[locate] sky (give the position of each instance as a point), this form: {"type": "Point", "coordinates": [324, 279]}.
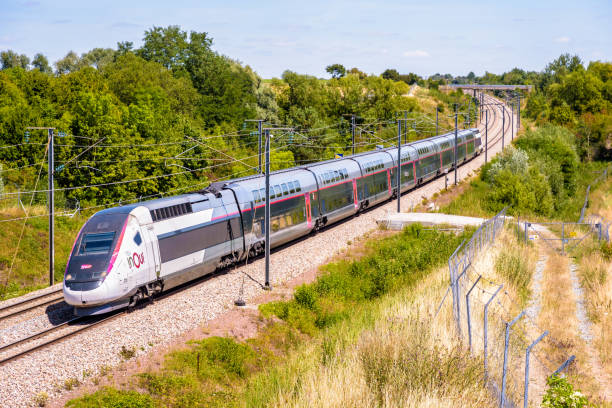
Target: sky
{"type": "Point", "coordinates": [425, 37]}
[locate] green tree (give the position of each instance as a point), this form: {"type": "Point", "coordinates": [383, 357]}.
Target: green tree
{"type": "Point", "coordinates": [41, 63]}
{"type": "Point", "coordinates": [336, 70]}
{"type": "Point", "coordinates": [70, 63]}
{"type": "Point", "coordinates": [10, 59]}
{"type": "Point", "coordinates": [98, 57]}
{"type": "Point", "coordinates": [391, 74]}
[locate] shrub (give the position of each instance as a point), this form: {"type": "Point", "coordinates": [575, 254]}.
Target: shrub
{"type": "Point", "coordinates": [561, 394]}
{"type": "Point", "coordinates": [112, 398]}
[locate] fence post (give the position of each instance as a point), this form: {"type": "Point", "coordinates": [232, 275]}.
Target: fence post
{"type": "Point", "coordinates": [599, 230]}
{"type": "Point", "coordinates": [526, 234]}
{"type": "Point", "coordinates": [527, 352]}
{"type": "Point", "coordinates": [509, 325]}
{"type": "Point", "coordinates": [564, 365]}
{"type": "Point", "coordinates": [467, 306]}
{"type": "Point", "coordinates": [458, 287]}
{"type": "Point", "coordinates": [485, 330]}
{"type": "Point", "coordinates": [562, 238]}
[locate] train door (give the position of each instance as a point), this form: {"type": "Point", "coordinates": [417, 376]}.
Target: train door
{"type": "Point", "coordinates": [153, 252]}
{"type": "Point", "coordinates": [308, 211]}
{"type": "Point", "coordinates": [355, 197]}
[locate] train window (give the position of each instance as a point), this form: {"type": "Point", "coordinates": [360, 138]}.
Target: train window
{"type": "Point", "coordinates": [291, 188]}
{"type": "Point", "coordinates": [262, 193]}
{"type": "Point", "coordinates": [298, 188]}
{"type": "Point", "coordinates": [278, 191]}
{"type": "Point", "coordinates": [256, 196]}
{"type": "Point", "coordinates": [284, 188]}
{"type": "Point", "coordinates": [336, 175]}
{"type": "Point", "coordinates": [344, 173]}
{"type": "Point", "coordinates": [96, 243]}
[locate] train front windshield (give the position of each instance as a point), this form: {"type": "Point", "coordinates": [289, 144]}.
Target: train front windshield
{"type": "Point", "coordinates": [94, 247]}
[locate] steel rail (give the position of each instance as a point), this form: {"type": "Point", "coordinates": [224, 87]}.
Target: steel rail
{"type": "Point", "coordinates": [25, 301]}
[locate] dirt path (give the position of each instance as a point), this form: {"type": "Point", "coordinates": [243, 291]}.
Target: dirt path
{"type": "Point", "coordinates": [586, 334]}
{"type": "Point", "coordinates": [559, 295]}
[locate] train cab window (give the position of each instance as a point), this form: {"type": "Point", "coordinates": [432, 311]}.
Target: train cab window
{"type": "Point", "coordinates": [278, 191]}
{"type": "Point", "coordinates": [285, 189]}
{"type": "Point", "coordinates": [98, 243]}
{"type": "Point", "coordinates": [138, 238]}
{"type": "Point", "coordinates": [262, 193]}
{"type": "Point", "coordinates": [291, 188]}
{"type": "Point", "coordinates": [298, 188]}
{"type": "Point", "coordinates": [256, 196]}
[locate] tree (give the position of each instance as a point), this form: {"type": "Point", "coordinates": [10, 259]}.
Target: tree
{"type": "Point", "coordinates": [41, 63]}
{"type": "Point", "coordinates": [10, 59]}
{"type": "Point", "coordinates": [356, 71]}
{"type": "Point", "coordinates": [336, 70]}
{"type": "Point", "coordinates": [98, 57]}
{"type": "Point", "coordinates": [410, 79]}
{"type": "Point", "coordinates": [124, 47]}
{"type": "Point", "coordinates": [168, 46]}
{"type": "Point", "coordinates": [471, 77]}
{"type": "Point", "coordinates": [70, 63]}
{"type": "Point", "coordinates": [391, 74]}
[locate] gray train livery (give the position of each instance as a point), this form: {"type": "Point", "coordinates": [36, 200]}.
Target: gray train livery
{"type": "Point", "coordinates": [126, 253]}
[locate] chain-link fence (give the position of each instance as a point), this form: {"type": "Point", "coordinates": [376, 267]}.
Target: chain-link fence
{"type": "Point", "coordinates": [517, 354]}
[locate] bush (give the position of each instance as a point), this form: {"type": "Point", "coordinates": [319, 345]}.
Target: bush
{"type": "Point", "coordinates": [112, 398]}
{"type": "Point", "coordinates": [561, 394]}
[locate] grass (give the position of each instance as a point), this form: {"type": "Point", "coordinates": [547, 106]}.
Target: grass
{"type": "Point", "coordinates": [337, 319]}
{"type": "Point", "coordinates": [30, 270]}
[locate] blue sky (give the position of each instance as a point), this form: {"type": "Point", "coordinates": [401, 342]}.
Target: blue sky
{"type": "Point", "coordinates": [271, 36]}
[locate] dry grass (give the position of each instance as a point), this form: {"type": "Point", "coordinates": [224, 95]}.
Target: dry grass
{"type": "Point", "coordinates": [406, 359]}
{"type": "Point", "coordinates": [559, 317]}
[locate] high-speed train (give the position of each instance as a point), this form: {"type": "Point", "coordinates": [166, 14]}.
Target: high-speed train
{"type": "Point", "coordinates": [126, 253]}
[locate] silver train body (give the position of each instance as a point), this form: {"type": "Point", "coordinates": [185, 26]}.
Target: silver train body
{"type": "Point", "coordinates": [125, 253]}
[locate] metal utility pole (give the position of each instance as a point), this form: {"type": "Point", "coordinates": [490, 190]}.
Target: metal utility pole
{"type": "Point", "coordinates": [267, 208]}
{"type": "Point", "coordinates": [399, 163]}
{"type": "Point", "coordinates": [518, 116]}
{"type": "Point", "coordinates": [353, 132]}
{"type": "Point", "coordinates": [512, 119]}
{"type": "Point", "coordinates": [455, 149]}
{"type": "Point", "coordinates": [486, 135]}
{"type": "Point", "coordinates": [436, 120]}
{"type": "Point", "coordinates": [468, 114]}
{"type": "Point", "coordinates": [51, 201]}
{"type": "Point", "coordinates": [503, 124]}
{"type": "Point", "coordinates": [51, 170]}
{"type": "Point", "coordinates": [267, 213]}
{"type": "Point", "coordinates": [259, 123]}
{"type": "Point", "coordinates": [405, 126]}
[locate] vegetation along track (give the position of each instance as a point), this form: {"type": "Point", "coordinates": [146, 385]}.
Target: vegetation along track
{"type": "Point", "coordinates": [32, 371]}
{"type": "Point", "coordinates": [73, 326]}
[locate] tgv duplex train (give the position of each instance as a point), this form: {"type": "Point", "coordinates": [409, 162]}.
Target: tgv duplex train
{"type": "Point", "coordinates": [125, 253]}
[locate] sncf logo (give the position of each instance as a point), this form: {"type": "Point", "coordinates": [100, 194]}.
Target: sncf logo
{"type": "Point", "coordinates": [136, 260]}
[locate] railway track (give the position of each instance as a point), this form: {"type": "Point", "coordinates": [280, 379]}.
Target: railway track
{"type": "Point", "coordinates": [77, 325]}
{"type": "Point", "coordinates": [62, 331]}
{"type": "Point", "coordinates": [30, 304]}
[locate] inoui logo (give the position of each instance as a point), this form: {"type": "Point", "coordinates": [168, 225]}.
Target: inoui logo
{"type": "Point", "coordinates": [136, 260]}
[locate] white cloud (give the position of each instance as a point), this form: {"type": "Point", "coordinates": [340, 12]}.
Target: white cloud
{"type": "Point", "coordinates": [562, 39]}
{"type": "Point", "coordinates": [416, 53]}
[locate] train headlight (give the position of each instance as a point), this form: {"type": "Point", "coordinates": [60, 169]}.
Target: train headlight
{"type": "Point", "coordinates": [68, 277]}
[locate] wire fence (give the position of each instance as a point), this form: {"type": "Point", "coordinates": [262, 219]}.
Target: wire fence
{"type": "Point", "coordinates": [602, 177]}
{"type": "Point", "coordinates": [516, 352]}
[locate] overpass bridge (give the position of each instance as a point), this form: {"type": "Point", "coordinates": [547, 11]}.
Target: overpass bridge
{"type": "Point", "coordinates": [476, 87]}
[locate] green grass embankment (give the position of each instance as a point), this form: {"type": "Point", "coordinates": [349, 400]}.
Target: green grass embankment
{"type": "Point", "coordinates": [332, 321]}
